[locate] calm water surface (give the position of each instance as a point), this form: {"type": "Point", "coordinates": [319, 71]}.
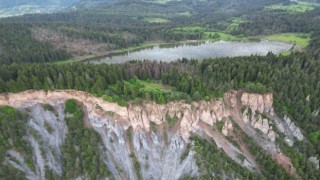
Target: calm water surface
{"type": "Point", "coordinates": [198, 51]}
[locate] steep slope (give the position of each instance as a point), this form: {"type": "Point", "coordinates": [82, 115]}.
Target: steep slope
{"type": "Point", "coordinates": [149, 140]}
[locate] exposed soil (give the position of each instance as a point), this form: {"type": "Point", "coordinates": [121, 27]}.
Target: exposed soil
{"type": "Point", "coordinates": [285, 162]}
{"type": "Point", "coordinates": [267, 145]}
{"type": "Point", "coordinates": [223, 143]}
{"type": "Point", "coordinates": [236, 136]}
{"type": "Point", "coordinates": [74, 46]}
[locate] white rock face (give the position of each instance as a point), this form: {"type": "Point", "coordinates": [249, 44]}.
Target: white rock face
{"type": "Point", "coordinates": [258, 102]}
{"type": "Point", "coordinates": [288, 141]}
{"type": "Point", "coordinates": [157, 152]}
{"type": "Point", "coordinates": [315, 113]}
{"type": "Point", "coordinates": [295, 130]}
{"type": "Point", "coordinates": [280, 127]}
{"type": "Point", "coordinates": [314, 161]}
{"type": "Point", "coordinates": [46, 144]}
{"type": "Point", "coordinates": [16, 160]}
{"type": "Point", "coordinates": [258, 122]}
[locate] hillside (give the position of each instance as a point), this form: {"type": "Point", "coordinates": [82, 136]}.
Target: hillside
{"type": "Point", "coordinates": [140, 141]}
{"type": "Point", "coordinates": [159, 89]}
{"type": "Point", "coordinates": [20, 7]}
{"type": "Point", "coordinates": [185, 99]}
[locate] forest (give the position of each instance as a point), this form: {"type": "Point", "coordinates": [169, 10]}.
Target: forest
{"type": "Point", "coordinates": [291, 79]}
{"type": "Point", "coordinates": [29, 63]}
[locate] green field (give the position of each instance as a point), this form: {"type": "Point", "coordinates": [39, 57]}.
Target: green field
{"type": "Point", "coordinates": [300, 39]}
{"type": "Point", "coordinates": [208, 34]}
{"type": "Point", "coordinates": [217, 36]}
{"type": "Point", "coordinates": [190, 29]}
{"type": "Point", "coordinates": [297, 7]}
{"type": "Point", "coordinates": [287, 53]}
{"type": "Point", "coordinates": [187, 14]}
{"type": "Point", "coordinates": [156, 20]}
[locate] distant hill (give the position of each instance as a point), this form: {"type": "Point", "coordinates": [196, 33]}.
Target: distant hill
{"type": "Point", "coordinates": [20, 7]}
{"type": "Point", "coordinates": [15, 3]}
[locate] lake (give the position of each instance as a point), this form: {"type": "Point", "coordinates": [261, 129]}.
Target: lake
{"type": "Point", "coordinates": [197, 51]}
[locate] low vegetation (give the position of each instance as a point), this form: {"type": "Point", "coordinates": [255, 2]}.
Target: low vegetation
{"type": "Point", "coordinates": [300, 39]}
{"type": "Point", "coordinates": [136, 89]}
{"type": "Point", "coordinates": [219, 125]}
{"type": "Point", "coordinates": [171, 120]}
{"type": "Point", "coordinates": [48, 107]}
{"type": "Point", "coordinates": [156, 20]}
{"type": "Point", "coordinates": [202, 33]}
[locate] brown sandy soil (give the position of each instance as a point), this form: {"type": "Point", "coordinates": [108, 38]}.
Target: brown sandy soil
{"type": "Point", "coordinates": [76, 47]}
{"type": "Point", "coordinates": [285, 162]}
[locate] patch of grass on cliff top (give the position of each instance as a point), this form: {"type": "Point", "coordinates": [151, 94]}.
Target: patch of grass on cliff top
{"type": "Point", "coordinates": [149, 85]}
{"type": "Point", "coordinates": [300, 39]}
{"type": "Point", "coordinates": [294, 7]}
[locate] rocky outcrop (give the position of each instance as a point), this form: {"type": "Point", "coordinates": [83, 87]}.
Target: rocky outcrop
{"type": "Point", "coordinates": [228, 127]}
{"type": "Point", "coordinates": [315, 113]}
{"type": "Point", "coordinates": [314, 161]}
{"type": "Point", "coordinates": [139, 117]}
{"type": "Point", "coordinates": [259, 122]}
{"type": "Point", "coordinates": [158, 152]}
{"type": "Point", "coordinates": [46, 133]}
{"type": "Point", "coordinates": [294, 129]}
{"type": "Point", "coordinates": [258, 102]}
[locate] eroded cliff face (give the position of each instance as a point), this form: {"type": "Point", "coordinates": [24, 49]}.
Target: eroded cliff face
{"type": "Point", "coordinates": [158, 151]}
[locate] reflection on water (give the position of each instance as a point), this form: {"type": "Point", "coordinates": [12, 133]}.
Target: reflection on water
{"type": "Point", "coordinates": [197, 51]}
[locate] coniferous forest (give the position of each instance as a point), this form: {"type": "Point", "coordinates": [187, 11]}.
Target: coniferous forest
{"type": "Point", "coordinates": [27, 61]}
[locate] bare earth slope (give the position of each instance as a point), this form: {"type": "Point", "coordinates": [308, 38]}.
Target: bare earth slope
{"type": "Point", "coordinates": [158, 151]}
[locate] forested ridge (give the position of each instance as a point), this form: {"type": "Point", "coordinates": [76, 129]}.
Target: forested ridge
{"type": "Point", "coordinates": [270, 23]}
{"type": "Point", "coordinates": [292, 79]}
{"type": "Point", "coordinates": [26, 63]}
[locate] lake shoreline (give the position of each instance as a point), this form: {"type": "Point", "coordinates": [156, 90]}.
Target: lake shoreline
{"type": "Point", "coordinates": [195, 50]}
